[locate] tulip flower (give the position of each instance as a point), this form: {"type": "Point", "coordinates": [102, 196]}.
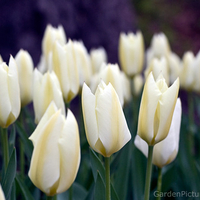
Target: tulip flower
{"type": "Point", "coordinates": [110, 74]}
{"type": "Point", "coordinates": [138, 83]}
{"type": "Point", "coordinates": [98, 57]}
{"type": "Point", "coordinates": [126, 85]}
{"type": "Point", "coordinates": [46, 89]}
{"type": "Point", "coordinates": [105, 125]}
{"type": "Point", "coordinates": [131, 53]}
{"type": "Point", "coordinates": [159, 47]}
{"type": "Point", "coordinates": [158, 66]}
{"type": "Point", "coordinates": [65, 67]}
{"type": "Point", "coordinates": [165, 151]}
{"type": "Point", "coordinates": [25, 73]}
{"type": "Point", "coordinates": [187, 71]}
{"type": "Point", "coordinates": [56, 154]}
{"type": "Point", "coordinates": [2, 196]}
{"type": "Point", "coordinates": [9, 93]}
{"type": "Point", "coordinates": [156, 109]}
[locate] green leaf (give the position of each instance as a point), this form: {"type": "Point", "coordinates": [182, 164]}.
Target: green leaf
{"type": "Point", "coordinates": [97, 166]}
{"type": "Point", "coordinates": [27, 143]}
{"type": "Point", "coordinates": [79, 193]}
{"type": "Point", "coordinates": [8, 180]}
{"type": "Point", "coordinates": [25, 191]}
{"type": "Point", "coordinates": [90, 193]}
{"type": "Point", "coordinates": [99, 190]}
{"type": "Point", "coordinates": [122, 172]}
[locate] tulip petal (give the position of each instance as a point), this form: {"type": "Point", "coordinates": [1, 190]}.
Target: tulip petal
{"type": "Point", "coordinates": [148, 106]}
{"type": "Point", "coordinates": [5, 106]}
{"type": "Point", "coordinates": [45, 163]}
{"type": "Point", "coordinates": [69, 145]}
{"type": "Point", "coordinates": [167, 104]}
{"type": "Point", "coordinates": [166, 150]}
{"type": "Point", "coordinates": [89, 116]}
{"type": "Point", "coordinates": [112, 127]}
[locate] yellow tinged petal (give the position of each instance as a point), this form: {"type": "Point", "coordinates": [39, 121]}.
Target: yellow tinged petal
{"type": "Point", "coordinates": [69, 145]}
{"type": "Point", "coordinates": [148, 106]}
{"type": "Point", "coordinates": [89, 116]}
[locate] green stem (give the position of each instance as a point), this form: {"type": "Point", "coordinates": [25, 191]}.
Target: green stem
{"type": "Point", "coordinates": [159, 183]}
{"type": "Point", "coordinates": [71, 192]}
{"type": "Point", "coordinates": [148, 173]}
{"type": "Point", "coordinates": [51, 197]}
{"type": "Point", "coordinates": [107, 168]}
{"type": "Point", "coordinates": [22, 161]}
{"type": "Point", "coordinates": [5, 146]}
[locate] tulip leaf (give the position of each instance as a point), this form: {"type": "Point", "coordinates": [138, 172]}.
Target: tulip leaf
{"type": "Point", "coordinates": [138, 169]}
{"type": "Point", "coordinates": [90, 193]}
{"type": "Point", "coordinates": [96, 165]}
{"type": "Point", "coordinates": [122, 172]}
{"type": "Point", "coordinates": [13, 192]}
{"type": "Point", "coordinates": [8, 180]}
{"type": "Point", "coordinates": [99, 190]}
{"type": "Point", "coordinates": [25, 191]}
{"type": "Point", "coordinates": [27, 143]}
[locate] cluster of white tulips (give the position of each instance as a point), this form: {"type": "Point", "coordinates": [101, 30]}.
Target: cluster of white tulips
{"type": "Point", "coordinates": [66, 70]}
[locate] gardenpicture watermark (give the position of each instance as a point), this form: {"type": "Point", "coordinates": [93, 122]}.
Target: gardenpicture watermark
{"type": "Point", "coordinates": [177, 194]}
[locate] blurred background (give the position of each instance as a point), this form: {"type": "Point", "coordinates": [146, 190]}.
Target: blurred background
{"type": "Point", "coordinates": [98, 23]}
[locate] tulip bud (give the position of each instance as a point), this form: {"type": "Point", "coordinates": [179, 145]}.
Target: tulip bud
{"type": "Point", "coordinates": [2, 196]}
{"type": "Point", "coordinates": [46, 89]}
{"type": "Point", "coordinates": [138, 83]}
{"type": "Point", "coordinates": [165, 151]}
{"type": "Point", "coordinates": [9, 93]}
{"type": "Point", "coordinates": [56, 154]}
{"type": "Point", "coordinates": [159, 47]}
{"type": "Point", "coordinates": [126, 87]}
{"type": "Point", "coordinates": [50, 36]}
{"type": "Point", "coordinates": [131, 53]}
{"type": "Point", "coordinates": [158, 66]}
{"type": "Point", "coordinates": [156, 109]}
{"type": "Point", "coordinates": [105, 125]}
{"type": "Point", "coordinates": [98, 57]}
{"type": "Point", "coordinates": [65, 67]}
{"type": "Point", "coordinates": [187, 71]}
{"type": "Point", "coordinates": [25, 73]}
{"type": "Point", "coordinates": [111, 74]}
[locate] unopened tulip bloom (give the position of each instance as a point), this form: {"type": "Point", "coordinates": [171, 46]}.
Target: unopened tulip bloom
{"type": "Point", "coordinates": [65, 67]}
{"type": "Point", "coordinates": [138, 83]}
{"type": "Point", "coordinates": [46, 89]}
{"type": "Point", "coordinates": [165, 151]}
{"type": "Point", "coordinates": [25, 73]}
{"type": "Point", "coordinates": [111, 73]}
{"type": "Point", "coordinates": [56, 154]}
{"type": "Point", "coordinates": [9, 93]}
{"type": "Point", "coordinates": [159, 47]}
{"type": "Point", "coordinates": [187, 71]}
{"type": "Point", "coordinates": [105, 125]}
{"type": "Point", "coordinates": [131, 53]}
{"type": "Point", "coordinates": [126, 87]}
{"type": "Point", "coordinates": [98, 57]}
{"type": "Point", "coordinates": [158, 66]}
{"type": "Point", "coordinates": [156, 109]}
{"type": "Point", "coordinates": [2, 196]}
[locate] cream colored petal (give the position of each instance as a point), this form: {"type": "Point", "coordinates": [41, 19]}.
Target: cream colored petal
{"type": "Point", "coordinates": [2, 197]}
{"type": "Point", "coordinates": [167, 104]}
{"type": "Point", "coordinates": [148, 106]}
{"type": "Point", "coordinates": [89, 116]}
{"type": "Point", "coordinates": [141, 145]}
{"type": "Point", "coordinates": [112, 127]}
{"type": "Point", "coordinates": [52, 109]}
{"type": "Point", "coordinates": [45, 163]}
{"type": "Point", "coordinates": [14, 91]}
{"type": "Point", "coordinates": [5, 105]}
{"type": "Point", "coordinates": [166, 150]}
{"type": "Point", "coordinates": [69, 144]}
